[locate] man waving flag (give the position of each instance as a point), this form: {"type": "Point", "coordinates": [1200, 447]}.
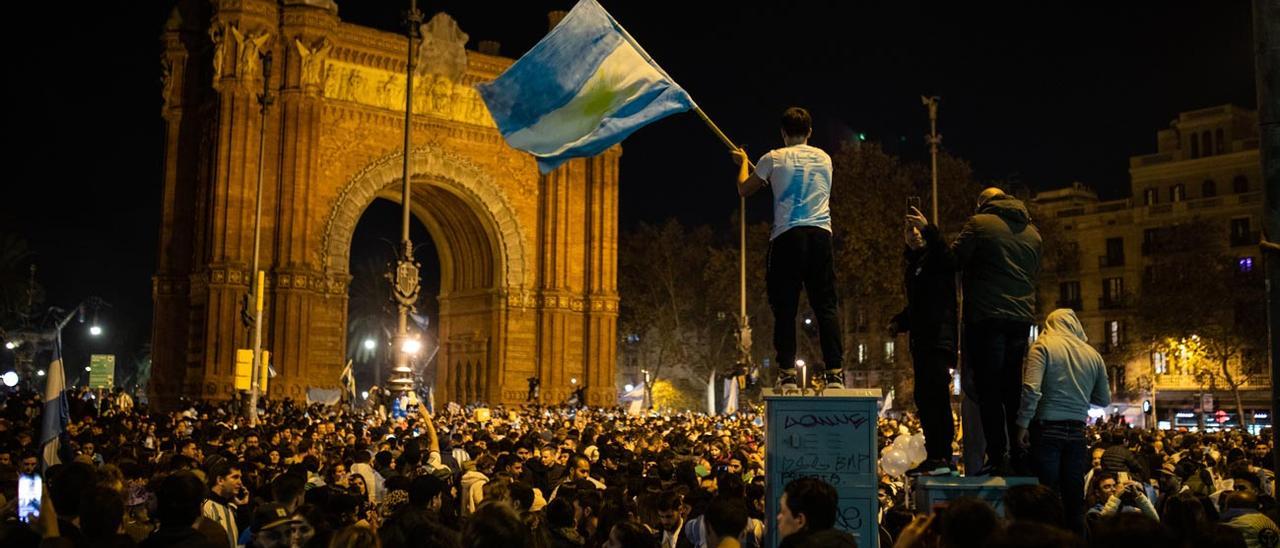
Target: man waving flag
{"type": "Point", "coordinates": [55, 414]}
{"type": "Point", "coordinates": [582, 89]}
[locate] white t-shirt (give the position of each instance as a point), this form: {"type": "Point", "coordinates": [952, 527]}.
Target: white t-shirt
{"type": "Point", "coordinates": [800, 177]}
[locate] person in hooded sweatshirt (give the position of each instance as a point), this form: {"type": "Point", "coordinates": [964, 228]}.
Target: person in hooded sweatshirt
{"type": "Point", "coordinates": [1062, 377]}
{"type": "Point", "coordinates": [998, 255]}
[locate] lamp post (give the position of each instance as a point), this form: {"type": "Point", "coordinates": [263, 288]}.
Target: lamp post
{"type": "Point", "coordinates": [934, 140]}
{"type": "Point", "coordinates": [257, 286]}
{"type": "Point", "coordinates": [405, 283]}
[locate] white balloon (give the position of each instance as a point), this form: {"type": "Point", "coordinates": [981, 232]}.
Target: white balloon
{"type": "Point", "coordinates": [902, 440]}
{"type": "Point", "coordinates": [917, 454]}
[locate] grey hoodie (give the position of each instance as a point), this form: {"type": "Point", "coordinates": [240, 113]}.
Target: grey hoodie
{"type": "Point", "coordinates": [1063, 375]}
{"type": "Point", "coordinates": [998, 252]}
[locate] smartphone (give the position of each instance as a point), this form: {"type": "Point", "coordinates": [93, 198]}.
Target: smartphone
{"type": "Point", "coordinates": [30, 489]}
{"type": "Point", "coordinates": [913, 202]}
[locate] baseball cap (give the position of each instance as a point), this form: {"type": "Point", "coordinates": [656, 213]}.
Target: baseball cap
{"type": "Point", "coordinates": [271, 514]}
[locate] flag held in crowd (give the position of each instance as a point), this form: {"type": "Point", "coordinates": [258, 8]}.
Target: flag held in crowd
{"type": "Point", "coordinates": [582, 89]}
{"type": "Point", "coordinates": [55, 408]}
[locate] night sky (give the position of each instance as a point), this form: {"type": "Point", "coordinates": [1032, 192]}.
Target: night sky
{"type": "Point", "coordinates": [1034, 93]}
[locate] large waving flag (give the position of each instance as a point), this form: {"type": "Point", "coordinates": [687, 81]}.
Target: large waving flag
{"type": "Point", "coordinates": [55, 414]}
{"type": "Point", "coordinates": [582, 89]}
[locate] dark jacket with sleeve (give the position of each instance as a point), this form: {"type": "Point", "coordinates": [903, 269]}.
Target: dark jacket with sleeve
{"type": "Point", "coordinates": [998, 252]}
{"type": "Point", "coordinates": [930, 315]}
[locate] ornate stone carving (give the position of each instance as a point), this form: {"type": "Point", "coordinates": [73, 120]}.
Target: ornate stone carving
{"type": "Point", "coordinates": [432, 95]}
{"type": "Point", "coordinates": [217, 34]}
{"type": "Point", "coordinates": [313, 60]}
{"type": "Point", "coordinates": [166, 81]}
{"type": "Point", "coordinates": [329, 5]}
{"type": "Point", "coordinates": [249, 60]}
{"type": "Point", "coordinates": [443, 51]}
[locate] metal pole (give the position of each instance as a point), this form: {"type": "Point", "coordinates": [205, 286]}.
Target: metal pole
{"type": "Point", "coordinates": [1266, 36]}
{"type": "Point", "coordinates": [406, 274]}
{"type": "Point", "coordinates": [744, 324]}
{"type": "Point", "coordinates": [934, 140]}
{"type": "Point", "coordinates": [264, 101]}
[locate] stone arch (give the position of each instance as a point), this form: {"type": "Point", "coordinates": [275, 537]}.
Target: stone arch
{"type": "Point", "coordinates": [443, 169]}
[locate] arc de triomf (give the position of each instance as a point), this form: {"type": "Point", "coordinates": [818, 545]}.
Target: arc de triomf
{"type": "Point", "coordinates": [528, 262]}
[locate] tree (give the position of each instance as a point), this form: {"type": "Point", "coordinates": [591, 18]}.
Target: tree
{"type": "Point", "coordinates": [1198, 306]}
{"type": "Point", "coordinates": [664, 310]}
{"type": "Point", "coordinates": [18, 296]}
{"type": "Point", "coordinates": [868, 205]}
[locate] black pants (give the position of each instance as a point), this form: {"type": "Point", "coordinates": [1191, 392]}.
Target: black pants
{"type": "Point", "coordinates": [995, 350]}
{"type": "Point", "coordinates": [801, 257]}
{"type": "Point", "coordinates": [932, 393]}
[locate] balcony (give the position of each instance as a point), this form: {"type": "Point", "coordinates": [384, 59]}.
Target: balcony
{"type": "Point", "coordinates": [1177, 381]}
{"type": "Point", "coordinates": [1113, 302]}
{"type": "Point", "coordinates": [1246, 239]}
{"type": "Point", "coordinates": [1110, 261]}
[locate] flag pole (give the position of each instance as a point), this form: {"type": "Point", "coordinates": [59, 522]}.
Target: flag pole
{"type": "Point", "coordinates": [743, 327]}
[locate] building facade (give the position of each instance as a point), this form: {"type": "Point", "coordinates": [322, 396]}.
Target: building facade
{"type": "Point", "coordinates": [528, 261]}
{"type": "Point", "coordinates": [1206, 169]}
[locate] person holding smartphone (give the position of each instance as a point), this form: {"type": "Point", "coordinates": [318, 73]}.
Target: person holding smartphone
{"type": "Point", "coordinates": [930, 318]}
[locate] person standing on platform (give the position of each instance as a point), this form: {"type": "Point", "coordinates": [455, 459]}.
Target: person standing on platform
{"type": "Point", "coordinates": [930, 317]}
{"type": "Point", "coordinates": [1062, 378]}
{"type": "Point", "coordinates": [998, 254]}
{"type": "Point", "coordinates": [800, 251]}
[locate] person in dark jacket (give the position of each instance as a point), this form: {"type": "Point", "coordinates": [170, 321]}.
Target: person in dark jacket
{"type": "Point", "coordinates": [930, 317]}
{"type": "Point", "coordinates": [807, 516]}
{"type": "Point", "coordinates": [178, 507]}
{"type": "Point", "coordinates": [1119, 458]}
{"type": "Point", "coordinates": [998, 253]}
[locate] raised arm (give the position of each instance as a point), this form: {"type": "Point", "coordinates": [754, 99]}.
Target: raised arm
{"type": "Point", "coordinates": [433, 441]}
{"type": "Point", "coordinates": [748, 182]}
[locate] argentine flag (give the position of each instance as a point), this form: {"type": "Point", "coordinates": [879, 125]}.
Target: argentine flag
{"type": "Point", "coordinates": [54, 417]}
{"type": "Point", "coordinates": [582, 89]}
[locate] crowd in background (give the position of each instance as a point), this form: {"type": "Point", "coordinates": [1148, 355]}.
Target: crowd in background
{"type": "Point", "coordinates": [563, 477]}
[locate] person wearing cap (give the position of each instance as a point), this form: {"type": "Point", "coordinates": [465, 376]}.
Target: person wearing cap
{"type": "Point", "coordinates": [272, 526]}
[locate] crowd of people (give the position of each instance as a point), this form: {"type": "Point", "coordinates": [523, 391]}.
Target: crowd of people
{"type": "Point", "coordinates": [564, 477]}
{"type": "Point", "coordinates": [333, 476]}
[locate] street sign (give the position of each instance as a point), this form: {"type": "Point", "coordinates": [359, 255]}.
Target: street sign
{"type": "Point", "coordinates": [102, 371]}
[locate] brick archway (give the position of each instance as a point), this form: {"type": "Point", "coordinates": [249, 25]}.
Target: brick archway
{"type": "Point", "coordinates": [528, 261]}
{"type": "Point", "coordinates": [480, 244]}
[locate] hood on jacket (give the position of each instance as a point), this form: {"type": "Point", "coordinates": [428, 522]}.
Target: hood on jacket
{"type": "Point", "coordinates": [1064, 322]}
{"type": "Point", "coordinates": [1008, 208]}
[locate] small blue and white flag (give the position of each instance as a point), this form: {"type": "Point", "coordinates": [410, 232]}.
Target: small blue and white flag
{"type": "Point", "coordinates": [583, 88]}
{"type": "Point", "coordinates": [55, 414]}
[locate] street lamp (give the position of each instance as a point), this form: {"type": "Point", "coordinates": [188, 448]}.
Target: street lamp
{"type": "Point", "coordinates": [10, 345]}
{"type": "Point", "coordinates": [95, 330]}
{"type": "Point", "coordinates": [10, 379]}
{"type": "Point", "coordinates": [629, 387]}
{"type": "Point", "coordinates": [409, 346]}
{"type": "Point", "coordinates": [573, 380]}
{"type": "Point", "coordinates": [370, 344]}
{"type": "Point", "coordinates": [40, 372]}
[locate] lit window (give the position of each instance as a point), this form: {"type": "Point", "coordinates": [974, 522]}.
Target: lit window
{"type": "Point", "coordinates": [1035, 333]}
{"type": "Point", "coordinates": [1159, 363]}
{"type": "Point", "coordinates": [862, 353]}
{"type": "Point", "coordinates": [1115, 334]}
{"type": "Point", "coordinates": [889, 351]}
{"type": "Point", "coordinates": [1245, 264]}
